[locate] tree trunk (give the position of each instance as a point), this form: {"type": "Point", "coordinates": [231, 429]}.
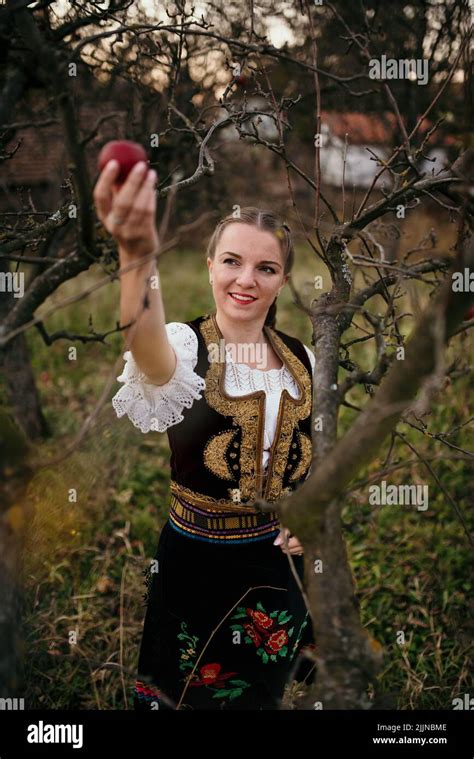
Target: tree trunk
{"type": "Point", "coordinates": [17, 375]}
{"type": "Point", "coordinates": [14, 514]}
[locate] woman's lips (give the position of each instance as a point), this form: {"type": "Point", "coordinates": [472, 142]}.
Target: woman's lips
{"type": "Point", "coordinates": [242, 300]}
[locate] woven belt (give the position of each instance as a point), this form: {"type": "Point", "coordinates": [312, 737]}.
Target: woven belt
{"type": "Point", "coordinates": [215, 521]}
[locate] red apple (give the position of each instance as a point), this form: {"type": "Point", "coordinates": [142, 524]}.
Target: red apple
{"type": "Point", "coordinates": [469, 314]}
{"type": "Point", "coordinates": [127, 153]}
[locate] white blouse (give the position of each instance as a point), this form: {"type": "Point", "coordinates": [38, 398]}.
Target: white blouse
{"type": "Point", "coordinates": [157, 407]}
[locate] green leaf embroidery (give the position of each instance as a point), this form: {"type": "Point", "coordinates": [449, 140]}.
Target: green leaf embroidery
{"type": "Point", "coordinates": [186, 661]}
{"type": "Point", "coordinates": [221, 693]}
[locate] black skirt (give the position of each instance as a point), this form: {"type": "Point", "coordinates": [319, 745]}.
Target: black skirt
{"type": "Point", "coordinates": [224, 627]}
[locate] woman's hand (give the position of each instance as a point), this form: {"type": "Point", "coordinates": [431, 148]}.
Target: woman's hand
{"type": "Point", "coordinates": [294, 546]}
{"type": "Point", "coordinates": [128, 212]}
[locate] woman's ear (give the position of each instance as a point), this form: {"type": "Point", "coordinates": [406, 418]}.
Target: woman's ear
{"type": "Point", "coordinates": [285, 280]}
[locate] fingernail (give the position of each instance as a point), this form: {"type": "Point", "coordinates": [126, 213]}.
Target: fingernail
{"type": "Point", "coordinates": [138, 168]}
{"type": "Point", "coordinates": [112, 164]}
{"type": "Point", "coordinates": [151, 175]}
{"type": "Point", "coordinates": [277, 541]}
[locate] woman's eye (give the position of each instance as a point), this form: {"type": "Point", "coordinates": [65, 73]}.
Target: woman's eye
{"type": "Point", "coordinates": [264, 268]}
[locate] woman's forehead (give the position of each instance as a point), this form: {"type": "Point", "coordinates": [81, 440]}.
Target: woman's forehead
{"type": "Point", "coordinates": [248, 240]}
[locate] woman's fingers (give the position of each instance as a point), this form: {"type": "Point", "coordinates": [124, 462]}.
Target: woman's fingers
{"type": "Point", "coordinates": [128, 211]}
{"type": "Point", "coordinates": [144, 205]}
{"type": "Point", "coordinates": [281, 536]}
{"type": "Point", "coordinates": [294, 546]}
{"type": "Point", "coordinates": [124, 198]}
{"type": "Point", "coordinates": [103, 189]}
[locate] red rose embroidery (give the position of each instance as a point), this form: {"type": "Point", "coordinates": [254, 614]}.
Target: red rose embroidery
{"type": "Point", "coordinates": [269, 633]}
{"type": "Point", "coordinates": [210, 675]}
{"type": "Point", "coordinates": [253, 634]}
{"type": "Point", "coordinates": [210, 672]}
{"type": "Point", "coordinates": [276, 641]}
{"type": "Point", "coordinates": [261, 620]}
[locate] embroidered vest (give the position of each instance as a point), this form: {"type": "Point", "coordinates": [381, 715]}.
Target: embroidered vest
{"type": "Point", "coordinates": [217, 449]}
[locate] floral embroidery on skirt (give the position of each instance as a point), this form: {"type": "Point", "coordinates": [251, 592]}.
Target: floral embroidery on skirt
{"type": "Point", "coordinates": [223, 625]}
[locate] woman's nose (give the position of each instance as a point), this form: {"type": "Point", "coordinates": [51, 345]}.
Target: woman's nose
{"type": "Point", "coordinates": [246, 278]}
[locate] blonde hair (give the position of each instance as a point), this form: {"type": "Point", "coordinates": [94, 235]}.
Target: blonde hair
{"type": "Point", "coordinates": [267, 221]}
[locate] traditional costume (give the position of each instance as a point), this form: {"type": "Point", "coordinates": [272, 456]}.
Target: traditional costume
{"type": "Point", "coordinates": [225, 620]}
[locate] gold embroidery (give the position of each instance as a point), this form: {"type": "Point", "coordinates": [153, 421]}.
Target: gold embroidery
{"type": "Point", "coordinates": [248, 411]}
{"type": "Point", "coordinates": [215, 454]}
{"type": "Point", "coordinates": [207, 502]}
{"type": "Point", "coordinates": [306, 455]}
{"type": "Point", "coordinates": [290, 412]}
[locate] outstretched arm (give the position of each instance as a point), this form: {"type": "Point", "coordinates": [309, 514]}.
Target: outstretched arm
{"type": "Point", "coordinates": [129, 215]}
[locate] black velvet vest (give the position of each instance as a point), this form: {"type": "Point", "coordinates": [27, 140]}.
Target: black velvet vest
{"type": "Point", "coordinates": [216, 450]}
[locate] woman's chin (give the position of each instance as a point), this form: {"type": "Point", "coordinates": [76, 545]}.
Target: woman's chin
{"type": "Point", "coordinates": [245, 313]}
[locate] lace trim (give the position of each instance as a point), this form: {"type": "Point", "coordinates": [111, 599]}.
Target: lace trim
{"type": "Point", "coordinates": [157, 407]}
{"type": "Point", "coordinates": [246, 379]}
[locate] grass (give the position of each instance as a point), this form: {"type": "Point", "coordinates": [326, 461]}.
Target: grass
{"type": "Point", "coordinates": [98, 516]}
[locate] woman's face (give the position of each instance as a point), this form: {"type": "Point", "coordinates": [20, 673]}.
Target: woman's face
{"type": "Point", "coordinates": [248, 261]}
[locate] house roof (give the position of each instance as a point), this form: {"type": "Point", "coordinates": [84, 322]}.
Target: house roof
{"type": "Point", "coordinates": [42, 157]}
{"type": "Point", "coordinates": [374, 129]}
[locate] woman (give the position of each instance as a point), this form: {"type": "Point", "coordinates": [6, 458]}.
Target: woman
{"type": "Point", "coordinates": [226, 621]}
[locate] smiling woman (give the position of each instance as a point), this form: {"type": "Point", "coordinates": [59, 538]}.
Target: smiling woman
{"type": "Point", "coordinates": [226, 622]}
{"type": "Point", "coordinates": [254, 252]}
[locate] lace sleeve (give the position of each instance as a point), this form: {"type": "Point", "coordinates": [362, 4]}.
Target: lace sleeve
{"type": "Point", "coordinates": [311, 356]}
{"type": "Point", "coordinates": [157, 407]}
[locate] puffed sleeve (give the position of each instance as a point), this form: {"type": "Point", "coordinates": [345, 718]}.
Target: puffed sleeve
{"type": "Point", "coordinates": [311, 356]}
{"type": "Point", "coordinates": [157, 407]}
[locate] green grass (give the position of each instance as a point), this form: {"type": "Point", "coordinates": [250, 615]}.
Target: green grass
{"type": "Point", "coordinates": [83, 559]}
